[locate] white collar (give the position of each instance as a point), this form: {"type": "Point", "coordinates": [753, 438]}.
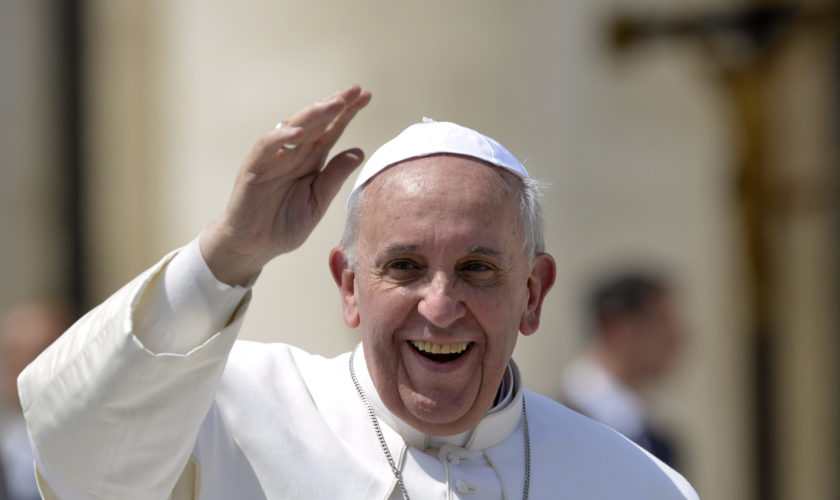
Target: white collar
{"type": "Point", "coordinates": [499, 422]}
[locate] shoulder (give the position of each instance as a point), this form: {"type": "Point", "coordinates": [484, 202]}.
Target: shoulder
{"type": "Point", "coordinates": [574, 449]}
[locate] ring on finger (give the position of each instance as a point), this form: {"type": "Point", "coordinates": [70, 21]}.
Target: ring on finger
{"type": "Point", "coordinates": [286, 145]}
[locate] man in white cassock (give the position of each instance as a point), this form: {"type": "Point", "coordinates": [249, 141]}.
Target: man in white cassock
{"type": "Point", "coordinates": [441, 266]}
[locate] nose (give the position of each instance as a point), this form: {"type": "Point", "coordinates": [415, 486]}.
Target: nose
{"type": "Point", "coordinates": [439, 302]}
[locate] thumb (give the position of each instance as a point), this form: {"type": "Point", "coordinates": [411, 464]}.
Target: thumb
{"type": "Point", "coordinates": [329, 180]}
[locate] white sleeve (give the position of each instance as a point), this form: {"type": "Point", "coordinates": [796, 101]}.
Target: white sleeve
{"type": "Point", "coordinates": [184, 305]}
{"type": "Point", "coordinates": [113, 418]}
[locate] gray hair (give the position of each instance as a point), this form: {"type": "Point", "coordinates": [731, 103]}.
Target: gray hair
{"type": "Point", "coordinates": [530, 214]}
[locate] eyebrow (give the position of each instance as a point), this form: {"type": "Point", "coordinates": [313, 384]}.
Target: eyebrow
{"type": "Point", "coordinates": [396, 249]}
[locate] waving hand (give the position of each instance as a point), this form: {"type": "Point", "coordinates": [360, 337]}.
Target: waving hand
{"type": "Point", "coordinates": [283, 188]}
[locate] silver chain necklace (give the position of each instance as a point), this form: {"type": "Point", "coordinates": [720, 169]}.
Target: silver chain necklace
{"type": "Point", "coordinates": [525, 436]}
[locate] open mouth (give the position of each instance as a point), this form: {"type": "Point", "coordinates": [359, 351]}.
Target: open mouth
{"type": "Point", "coordinates": [440, 353]}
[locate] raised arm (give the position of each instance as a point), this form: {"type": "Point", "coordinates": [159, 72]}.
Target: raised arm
{"type": "Point", "coordinates": [283, 189]}
{"type": "Point", "coordinates": [113, 413]}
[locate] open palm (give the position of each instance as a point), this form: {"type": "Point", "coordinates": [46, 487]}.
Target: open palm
{"type": "Point", "coordinates": [281, 191]}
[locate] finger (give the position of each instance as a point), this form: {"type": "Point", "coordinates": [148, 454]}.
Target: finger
{"type": "Point", "coordinates": [325, 143]}
{"type": "Point", "coordinates": [305, 130]}
{"type": "Point", "coordinates": [316, 117]}
{"type": "Point", "coordinates": [351, 88]}
{"type": "Point", "coordinates": [283, 135]}
{"type": "Point", "coordinates": [325, 127]}
{"type": "Point", "coordinates": [337, 127]}
{"type": "Point", "coordinates": [328, 182]}
{"type": "Point", "coordinates": [271, 144]}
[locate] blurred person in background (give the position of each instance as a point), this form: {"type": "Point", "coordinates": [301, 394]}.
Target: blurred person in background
{"type": "Point", "coordinates": [26, 329]}
{"type": "Point", "coordinates": [636, 339]}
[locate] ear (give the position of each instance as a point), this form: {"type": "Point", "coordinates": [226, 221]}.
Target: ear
{"type": "Point", "coordinates": [540, 282]}
{"type": "Point", "coordinates": [345, 278]}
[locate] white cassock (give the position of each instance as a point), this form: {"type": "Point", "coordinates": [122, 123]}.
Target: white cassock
{"type": "Point", "coordinates": [111, 417]}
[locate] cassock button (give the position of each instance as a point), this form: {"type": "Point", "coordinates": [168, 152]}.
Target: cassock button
{"type": "Point", "coordinates": [462, 487]}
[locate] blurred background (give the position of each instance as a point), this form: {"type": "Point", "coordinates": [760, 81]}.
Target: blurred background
{"type": "Point", "coordinates": [697, 137]}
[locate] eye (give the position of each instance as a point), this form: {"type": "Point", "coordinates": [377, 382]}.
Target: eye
{"type": "Point", "coordinates": [478, 270]}
{"type": "Point", "coordinates": [402, 270]}
{"type": "Point", "coordinates": [403, 265]}
{"type": "Point", "coordinates": [475, 267]}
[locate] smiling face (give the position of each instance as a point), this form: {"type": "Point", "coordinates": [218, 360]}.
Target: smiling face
{"type": "Point", "coordinates": [441, 288]}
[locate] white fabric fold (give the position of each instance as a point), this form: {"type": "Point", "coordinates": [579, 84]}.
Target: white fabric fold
{"type": "Point", "coordinates": [111, 418]}
{"type": "Point", "coordinates": [184, 305]}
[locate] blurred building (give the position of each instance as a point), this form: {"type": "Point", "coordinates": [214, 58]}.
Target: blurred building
{"type": "Point", "coordinates": [123, 124]}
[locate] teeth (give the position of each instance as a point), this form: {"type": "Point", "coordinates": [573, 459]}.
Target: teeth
{"type": "Point", "coordinates": [455, 348]}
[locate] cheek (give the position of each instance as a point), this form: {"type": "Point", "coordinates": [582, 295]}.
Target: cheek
{"type": "Point", "coordinates": [502, 309]}
{"type": "Point", "coordinates": [383, 309]}
{"type": "Point", "coordinates": [370, 298]}
{"type": "Point", "coordinates": [503, 316]}
{"type": "Point", "coordinates": [382, 368]}
{"type": "Point", "coordinates": [500, 324]}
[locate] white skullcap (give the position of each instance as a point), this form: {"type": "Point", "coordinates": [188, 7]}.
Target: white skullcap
{"type": "Point", "coordinates": [430, 138]}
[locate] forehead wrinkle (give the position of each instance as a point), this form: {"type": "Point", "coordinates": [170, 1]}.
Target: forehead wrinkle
{"type": "Point", "coordinates": [409, 178]}
{"type": "Point", "coordinates": [413, 180]}
{"type": "Point", "coordinates": [489, 252]}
